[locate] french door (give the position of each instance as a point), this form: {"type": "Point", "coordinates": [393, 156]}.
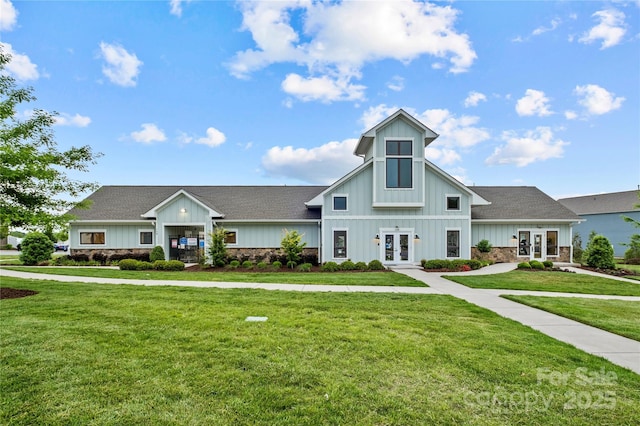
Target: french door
{"type": "Point", "coordinates": [397, 247]}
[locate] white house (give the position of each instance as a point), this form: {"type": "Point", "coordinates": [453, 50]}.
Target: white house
{"type": "Point", "coordinates": [396, 207]}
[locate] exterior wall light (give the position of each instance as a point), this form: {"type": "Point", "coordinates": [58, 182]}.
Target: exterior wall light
{"type": "Point", "coordinates": [416, 237]}
{"type": "Point", "coordinates": [183, 210]}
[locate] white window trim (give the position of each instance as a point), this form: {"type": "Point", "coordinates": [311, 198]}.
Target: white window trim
{"type": "Point", "coordinates": [385, 156]}
{"type": "Point", "coordinates": [446, 243]}
{"type": "Point", "coordinates": [153, 237]}
{"type": "Point", "coordinates": [333, 244]}
{"type": "Point", "coordinates": [333, 202]}
{"type": "Point", "coordinates": [446, 202]}
{"type": "Point", "coordinates": [237, 236]}
{"type": "Point", "coordinates": [82, 231]}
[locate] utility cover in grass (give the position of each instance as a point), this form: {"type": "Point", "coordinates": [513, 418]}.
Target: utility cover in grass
{"type": "Point", "coordinates": [256, 319]}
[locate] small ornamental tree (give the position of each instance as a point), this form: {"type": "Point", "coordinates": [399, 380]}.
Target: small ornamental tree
{"type": "Point", "coordinates": [36, 247]}
{"type": "Point", "coordinates": [217, 247]}
{"type": "Point", "coordinates": [599, 253]}
{"type": "Point", "coordinates": [292, 246]}
{"type": "Point", "coordinates": [632, 254]}
{"type": "Point", "coordinates": [484, 246]}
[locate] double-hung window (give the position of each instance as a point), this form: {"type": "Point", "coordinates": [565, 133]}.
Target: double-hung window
{"type": "Point", "coordinates": [92, 238]}
{"type": "Point", "coordinates": [399, 163]}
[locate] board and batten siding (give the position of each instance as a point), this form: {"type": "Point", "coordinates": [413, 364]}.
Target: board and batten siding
{"type": "Point", "coordinates": [612, 226]}
{"type": "Point", "coordinates": [172, 212]}
{"type": "Point", "coordinates": [269, 235]}
{"type": "Point", "coordinates": [120, 236]}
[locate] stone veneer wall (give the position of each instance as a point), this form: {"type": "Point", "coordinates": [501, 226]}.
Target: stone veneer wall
{"type": "Point", "coordinates": [268, 255]}
{"type": "Point", "coordinates": [508, 255]}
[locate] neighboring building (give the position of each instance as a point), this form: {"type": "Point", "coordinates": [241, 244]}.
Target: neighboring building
{"type": "Point", "coordinates": [396, 207]}
{"type": "Point", "coordinates": [603, 214]}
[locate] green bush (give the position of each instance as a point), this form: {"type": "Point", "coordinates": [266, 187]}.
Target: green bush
{"type": "Point", "coordinates": [548, 264]}
{"type": "Point", "coordinates": [157, 253]}
{"type": "Point", "coordinates": [376, 265]}
{"type": "Point", "coordinates": [262, 265]}
{"type": "Point", "coordinates": [134, 265]}
{"type": "Point", "coordinates": [234, 264]}
{"type": "Point", "coordinates": [536, 265]}
{"type": "Point", "coordinates": [174, 265]}
{"type": "Point", "coordinates": [36, 248]}
{"type": "Point", "coordinates": [436, 264]}
{"type": "Point", "coordinates": [217, 247]}
{"type": "Point", "coordinates": [305, 267]}
{"type": "Point", "coordinates": [524, 265]}
{"type": "Point", "coordinates": [474, 264]}
{"type": "Point", "coordinates": [292, 246]}
{"type": "Point", "coordinates": [291, 264]}
{"type": "Point", "coordinates": [633, 252]}
{"type": "Point", "coordinates": [247, 264]}
{"type": "Point", "coordinates": [276, 265]}
{"type": "Point", "coordinates": [484, 246]}
{"type": "Point", "coordinates": [599, 253]}
{"type": "Point", "coordinates": [330, 267]}
{"type": "Point", "coordinates": [361, 266]}
{"type": "Point", "coordinates": [347, 265]}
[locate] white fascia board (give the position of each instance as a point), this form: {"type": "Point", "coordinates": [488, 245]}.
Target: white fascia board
{"type": "Point", "coordinates": [259, 221]}
{"type": "Point", "coordinates": [153, 212]}
{"type": "Point", "coordinates": [108, 221]}
{"type": "Point", "coordinates": [318, 200]}
{"type": "Point", "coordinates": [505, 221]}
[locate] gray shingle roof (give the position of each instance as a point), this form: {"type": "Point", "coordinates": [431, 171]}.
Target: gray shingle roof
{"type": "Point", "coordinates": [235, 202]}
{"type": "Point", "coordinates": [518, 203]}
{"type": "Point", "coordinates": [613, 202]}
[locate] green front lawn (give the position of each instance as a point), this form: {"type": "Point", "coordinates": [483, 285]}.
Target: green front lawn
{"type": "Point", "coordinates": [617, 316]}
{"type": "Point", "coordinates": [380, 278]}
{"type": "Point", "coordinates": [563, 282]}
{"type": "Point", "coordinates": [101, 354]}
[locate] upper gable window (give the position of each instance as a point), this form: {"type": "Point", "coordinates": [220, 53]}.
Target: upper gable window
{"type": "Point", "coordinates": [399, 163]}
{"type": "Point", "coordinates": [453, 202]}
{"type": "Point", "coordinates": [339, 202]}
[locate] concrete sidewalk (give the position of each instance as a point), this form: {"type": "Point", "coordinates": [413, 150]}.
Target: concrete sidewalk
{"type": "Point", "coordinates": [617, 349]}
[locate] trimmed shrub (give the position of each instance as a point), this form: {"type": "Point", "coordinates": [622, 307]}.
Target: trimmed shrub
{"type": "Point", "coordinates": [305, 267]}
{"type": "Point", "coordinates": [361, 266]}
{"type": "Point", "coordinates": [484, 246]}
{"type": "Point", "coordinates": [436, 264]}
{"type": "Point", "coordinates": [130, 265]}
{"type": "Point", "coordinates": [330, 267]}
{"type": "Point", "coordinates": [347, 265]}
{"type": "Point", "coordinates": [309, 258]}
{"type": "Point", "coordinates": [535, 264]}
{"type": "Point", "coordinates": [36, 248]}
{"type": "Point", "coordinates": [247, 264]}
{"type": "Point", "coordinates": [524, 265]}
{"type": "Point", "coordinates": [599, 253]}
{"type": "Point", "coordinates": [262, 265]}
{"type": "Point", "coordinates": [157, 253]}
{"type": "Point", "coordinates": [291, 264]}
{"type": "Point", "coordinates": [276, 265]}
{"type": "Point", "coordinates": [474, 264]}
{"type": "Point", "coordinates": [548, 264]}
{"type": "Point", "coordinates": [376, 265]}
{"type": "Point", "coordinates": [234, 264]}
{"type": "Point", "coordinates": [174, 265]}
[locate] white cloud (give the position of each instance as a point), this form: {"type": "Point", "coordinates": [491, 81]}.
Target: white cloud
{"type": "Point", "coordinates": [8, 15]}
{"type": "Point", "coordinates": [321, 165]}
{"type": "Point", "coordinates": [534, 102]}
{"type": "Point", "coordinates": [20, 66]}
{"type": "Point", "coordinates": [597, 100]}
{"type": "Point", "coordinates": [541, 30]}
{"type": "Point", "coordinates": [72, 120]}
{"type": "Point", "coordinates": [121, 67]}
{"type": "Point", "coordinates": [150, 133]}
{"type": "Point", "coordinates": [610, 30]}
{"type": "Point", "coordinates": [336, 42]}
{"type": "Point", "coordinates": [474, 98]}
{"type": "Point", "coordinates": [396, 84]}
{"type": "Point", "coordinates": [570, 115]}
{"type": "Point", "coordinates": [176, 7]}
{"type": "Point", "coordinates": [324, 89]}
{"type": "Point", "coordinates": [213, 138]}
{"type": "Point", "coordinates": [535, 145]}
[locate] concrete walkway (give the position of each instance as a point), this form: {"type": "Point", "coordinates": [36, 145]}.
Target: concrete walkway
{"type": "Point", "coordinates": [617, 349]}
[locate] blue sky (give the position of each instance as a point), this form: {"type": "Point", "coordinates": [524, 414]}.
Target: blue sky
{"type": "Point", "coordinates": [544, 94]}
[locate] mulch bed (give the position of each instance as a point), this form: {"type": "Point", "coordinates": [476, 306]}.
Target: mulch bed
{"type": "Point", "coordinates": [15, 293]}
{"type": "Point", "coordinates": [198, 268]}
